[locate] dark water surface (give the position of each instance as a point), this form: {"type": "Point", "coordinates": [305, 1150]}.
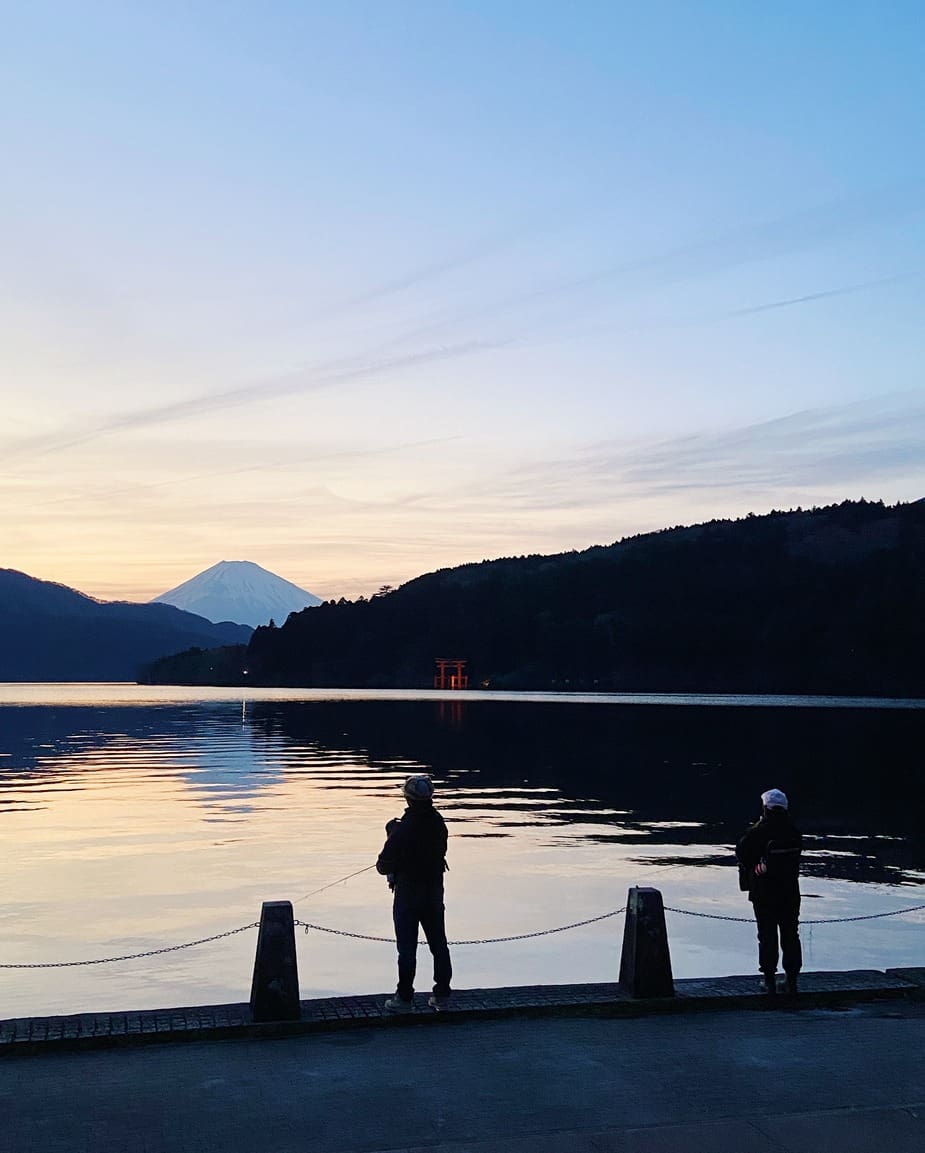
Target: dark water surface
{"type": "Point", "coordinates": [136, 818]}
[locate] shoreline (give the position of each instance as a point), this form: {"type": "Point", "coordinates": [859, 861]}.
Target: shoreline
{"type": "Point", "coordinates": [65, 693]}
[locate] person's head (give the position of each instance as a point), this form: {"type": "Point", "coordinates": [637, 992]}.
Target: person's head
{"type": "Point", "coordinates": [418, 790]}
{"type": "Point", "coordinates": [774, 801]}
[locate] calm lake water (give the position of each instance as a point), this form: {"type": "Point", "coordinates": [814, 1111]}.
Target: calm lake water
{"type": "Point", "coordinates": [135, 817]}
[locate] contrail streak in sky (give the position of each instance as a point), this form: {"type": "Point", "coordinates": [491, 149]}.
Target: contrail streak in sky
{"type": "Point", "coordinates": [823, 295]}
{"type": "Point", "coordinates": [292, 384]}
{"type": "Point", "coordinates": [796, 232]}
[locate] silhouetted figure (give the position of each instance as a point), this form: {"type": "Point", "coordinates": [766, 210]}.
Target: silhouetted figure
{"type": "Point", "coordinates": [414, 860]}
{"type": "Point", "coordinates": [769, 868]}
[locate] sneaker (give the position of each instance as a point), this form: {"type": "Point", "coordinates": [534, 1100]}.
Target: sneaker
{"type": "Point", "coordinates": [398, 1004]}
{"type": "Point", "coordinates": [792, 984]}
{"type": "Point", "coordinates": [768, 985]}
{"type": "Point", "coordinates": [438, 1003]}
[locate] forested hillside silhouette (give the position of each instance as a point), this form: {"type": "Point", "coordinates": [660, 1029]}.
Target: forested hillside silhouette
{"type": "Point", "coordinates": [49, 632]}
{"type": "Point", "coordinates": [827, 600]}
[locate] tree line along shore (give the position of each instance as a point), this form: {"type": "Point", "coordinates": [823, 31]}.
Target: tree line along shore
{"type": "Point", "coordinates": [822, 601]}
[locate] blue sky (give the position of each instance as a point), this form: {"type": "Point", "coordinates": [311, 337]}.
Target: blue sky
{"type": "Point", "coordinates": [357, 291]}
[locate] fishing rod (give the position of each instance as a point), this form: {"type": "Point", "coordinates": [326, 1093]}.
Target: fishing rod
{"type": "Point", "coordinates": [331, 884]}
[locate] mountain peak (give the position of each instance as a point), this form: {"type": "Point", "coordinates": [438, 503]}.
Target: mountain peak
{"type": "Point", "coordinates": [239, 591]}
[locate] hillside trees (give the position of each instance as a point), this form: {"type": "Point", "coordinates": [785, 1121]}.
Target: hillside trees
{"type": "Point", "coordinates": [827, 600]}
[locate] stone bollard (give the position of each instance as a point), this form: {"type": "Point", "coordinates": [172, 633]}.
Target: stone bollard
{"type": "Point", "coordinates": [275, 987]}
{"type": "Point", "coordinates": [645, 967]}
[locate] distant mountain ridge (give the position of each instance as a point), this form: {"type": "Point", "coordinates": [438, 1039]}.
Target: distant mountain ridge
{"type": "Point", "coordinates": [54, 633]}
{"type": "Point", "coordinates": [812, 601]}
{"type": "Point", "coordinates": [239, 591]}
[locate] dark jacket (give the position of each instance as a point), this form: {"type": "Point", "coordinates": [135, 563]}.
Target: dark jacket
{"type": "Point", "coordinates": [416, 846]}
{"type": "Point", "coordinates": [776, 842]}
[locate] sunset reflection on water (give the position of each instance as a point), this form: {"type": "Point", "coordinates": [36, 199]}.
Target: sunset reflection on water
{"type": "Point", "coordinates": [131, 822]}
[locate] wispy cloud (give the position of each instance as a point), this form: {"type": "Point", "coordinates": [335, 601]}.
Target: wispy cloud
{"type": "Point", "coordinates": [838, 448]}
{"type": "Point", "coordinates": [790, 234]}
{"type": "Point", "coordinates": [296, 383]}
{"type": "Point", "coordinates": [865, 442]}
{"type": "Point", "coordinates": [293, 462]}
{"type": "Point", "coordinates": [825, 294]}
{"type": "Point", "coordinates": [427, 273]}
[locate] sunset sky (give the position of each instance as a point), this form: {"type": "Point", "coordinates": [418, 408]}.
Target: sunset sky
{"type": "Point", "coordinates": [360, 290]}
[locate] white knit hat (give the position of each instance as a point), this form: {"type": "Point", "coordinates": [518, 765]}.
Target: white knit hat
{"type": "Point", "coordinates": [775, 799]}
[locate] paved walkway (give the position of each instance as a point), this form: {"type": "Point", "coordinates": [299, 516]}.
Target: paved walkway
{"type": "Point", "coordinates": [782, 1081]}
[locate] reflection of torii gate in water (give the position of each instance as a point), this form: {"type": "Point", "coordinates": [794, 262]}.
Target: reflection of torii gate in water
{"type": "Point", "coordinates": [450, 673]}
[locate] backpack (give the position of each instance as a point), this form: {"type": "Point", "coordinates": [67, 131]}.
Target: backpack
{"type": "Point", "coordinates": [782, 858]}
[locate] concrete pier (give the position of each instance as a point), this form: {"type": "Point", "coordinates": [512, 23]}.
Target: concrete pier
{"type": "Point", "coordinates": [34, 1035]}
{"type": "Point", "coordinates": [847, 1077]}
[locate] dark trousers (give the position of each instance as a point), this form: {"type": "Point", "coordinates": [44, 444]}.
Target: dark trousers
{"type": "Point", "coordinates": [420, 903]}
{"type": "Point", "coordinates": [779, 917]}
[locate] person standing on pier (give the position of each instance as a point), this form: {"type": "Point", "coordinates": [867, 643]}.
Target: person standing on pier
{"type": "Point", "coordinates": [769, 860]}
{"type": "Point", "coordinates": [414, 859]}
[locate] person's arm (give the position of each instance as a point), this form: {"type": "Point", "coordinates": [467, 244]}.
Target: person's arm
{"type": "Point", "coordinates": [440, 839]}
{"type": "Point", "coordinates": [747, 852]}
{"type": "Point", "coordinates": [388, 859]}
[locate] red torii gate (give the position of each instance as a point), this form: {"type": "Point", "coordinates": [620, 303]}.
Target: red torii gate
{"type": "Point", "coordinates": [450, 673]}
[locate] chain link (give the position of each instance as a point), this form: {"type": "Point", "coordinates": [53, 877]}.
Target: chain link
{"type": "Point", "coordinates": [864, 917]}
{"type": "Point", "coordinates": [134, 956]}
{"type": "Point", "coordinates": [307, 925]}
{"type": "Point", "coordinates": [343, 932]}
{"type": "Point", "coordinates": [708, 916]}
{"type": "Point", "coordinates": [542, 932]}
{"type": "Point", "coordinates": [816, 921]}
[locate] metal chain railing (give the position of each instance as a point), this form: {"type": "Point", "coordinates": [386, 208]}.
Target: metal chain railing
{"type": "Point", "coordinates": [309, 926]}
{"type": "Point", "coordinates": [133, 956]}
{"type": "Point", "coordinates": [807, 921]}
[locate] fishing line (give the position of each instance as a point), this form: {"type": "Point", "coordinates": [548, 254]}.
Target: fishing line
{"type": "Point", "coordinates": [331, 884]}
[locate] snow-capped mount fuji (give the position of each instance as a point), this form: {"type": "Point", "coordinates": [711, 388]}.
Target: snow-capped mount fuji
{"type": "Point", "coordinates": [239, 591]}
